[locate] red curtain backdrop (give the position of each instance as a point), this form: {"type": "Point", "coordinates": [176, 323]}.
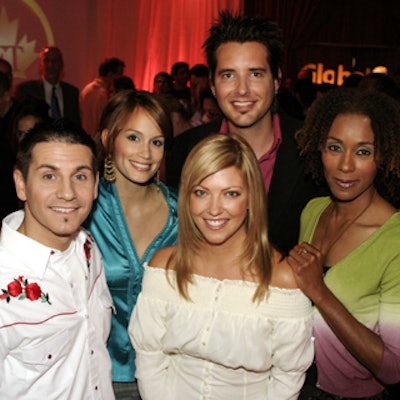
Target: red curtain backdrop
{"type": "Point", "coordinates": [148, 35]}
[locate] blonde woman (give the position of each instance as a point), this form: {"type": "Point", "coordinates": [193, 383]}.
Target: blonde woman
{"type": "Point", "coordinates": [220, 314]}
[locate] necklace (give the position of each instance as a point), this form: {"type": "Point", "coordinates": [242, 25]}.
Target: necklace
{"type": "Point", "coordinates": [345, 226]}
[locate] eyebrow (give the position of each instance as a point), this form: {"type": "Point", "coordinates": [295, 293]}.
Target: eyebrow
{"type": "Point", "coordinates": [252, 69]}
{"type": "Point", "coordinates": [135, 131]}
{"type": "Point", "coordinates": [55, 168]}
{"type": "Point", "coordinates": [341, 141]}
{"type": "Point", "coordinates": [226, 188]}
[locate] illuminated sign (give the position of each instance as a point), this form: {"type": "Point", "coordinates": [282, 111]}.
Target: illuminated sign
{"type": "Point", "coordinates": [333, 76]}
{"type": "Point", "coordinates": [24, 30]}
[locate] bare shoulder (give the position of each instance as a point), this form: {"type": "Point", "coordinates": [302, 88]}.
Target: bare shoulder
{"type": "Point", "coordinates": [282, 275]}
{"type": "Point", "coordinates": [161, 257]}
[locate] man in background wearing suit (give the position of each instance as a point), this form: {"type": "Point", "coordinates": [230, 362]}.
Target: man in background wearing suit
{"type": "Point", "coordinates": [62, 97]}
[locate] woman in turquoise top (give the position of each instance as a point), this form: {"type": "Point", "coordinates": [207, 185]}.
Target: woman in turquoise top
{"type": "Point", "coordinates": [351, 138]}
{"type": "Point", "coordinates": [135, 214]}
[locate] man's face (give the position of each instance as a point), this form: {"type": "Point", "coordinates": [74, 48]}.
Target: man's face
{"type": "Point", "coordinates": [51, 65]}
{"type": "Point", "coordinates": [58, 192]}
{"type": "Point", "coordinates": [197, 85]}
{"type": "Point", "coordinates": [182, 76]}
{"type": "Point", "coordinates": [243, 83]}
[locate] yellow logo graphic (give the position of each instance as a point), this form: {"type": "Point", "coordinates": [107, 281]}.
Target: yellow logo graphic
{"type": "Point", "coordinates": [17, 47]}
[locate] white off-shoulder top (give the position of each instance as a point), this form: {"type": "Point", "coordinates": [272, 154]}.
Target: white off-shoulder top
{"type": "Point", "coordinates": [220, 344]}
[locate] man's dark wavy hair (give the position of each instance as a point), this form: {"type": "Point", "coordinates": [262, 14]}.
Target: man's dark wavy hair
{"type": "Point", "coordinates": [241, 29]}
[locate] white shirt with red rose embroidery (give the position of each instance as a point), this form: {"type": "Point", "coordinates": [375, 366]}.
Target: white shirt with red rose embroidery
{"type": "Point", "coordinates": [55, 315]}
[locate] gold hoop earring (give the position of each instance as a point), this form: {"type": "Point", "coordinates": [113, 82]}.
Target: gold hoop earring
{"type": "Point", "coordinates": [109, 169]}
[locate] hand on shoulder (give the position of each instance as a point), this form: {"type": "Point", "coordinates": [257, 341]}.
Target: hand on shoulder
{"type": "Point", "coordinates": [282, 275]}
{"type": "Point", "coordinates": [161, 257]}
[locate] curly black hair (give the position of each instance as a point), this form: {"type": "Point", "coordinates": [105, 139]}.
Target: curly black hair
{"type": "Point", "coordinates": [384, 114]}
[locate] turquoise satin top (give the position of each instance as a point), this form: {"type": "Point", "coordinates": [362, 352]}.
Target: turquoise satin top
{"type": "Point", "coordinates": [123, 268]}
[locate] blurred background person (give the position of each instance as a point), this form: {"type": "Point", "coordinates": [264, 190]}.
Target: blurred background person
{"type": "Point", "coordinates": [122, 83]}
{"type": "Point", "coordinates": [95, 95]}
{"type": "Point", "coordinates": [180, 78]}
{"type": "Point", "coordinates": [199, 81]}
{"type": "Point", "coordinates": [9, 200]}
{"type": "Point", "coordinates": [162, 84]}
{"type": "Point", "coordinates": [209, 106]}
{"type": "Point", "coordinates": [27, 113]}
{"type": "Point", "coordinates": [62, 97]}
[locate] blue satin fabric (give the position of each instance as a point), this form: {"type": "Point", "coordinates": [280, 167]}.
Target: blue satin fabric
{"type": "Point", "coordinates": [123, 268]}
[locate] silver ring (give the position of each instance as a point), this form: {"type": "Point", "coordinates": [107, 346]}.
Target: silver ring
{"type": "Point", "coordinates": [302, 251]}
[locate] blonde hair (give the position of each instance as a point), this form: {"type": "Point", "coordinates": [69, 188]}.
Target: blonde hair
{"type": "Point", "coordinates": [211, 155]}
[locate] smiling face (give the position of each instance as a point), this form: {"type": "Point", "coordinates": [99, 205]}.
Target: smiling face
{"type": "Point", "coordinates": [243, 83]}
{"type": "Point", "coordinates": [58, 192]}
{"type": "Point", "coordinates": [138, 148]}
{"type": "Point", "coordinates": [349, 156]}
{"type": "Point", "coordinates": [218, 206]}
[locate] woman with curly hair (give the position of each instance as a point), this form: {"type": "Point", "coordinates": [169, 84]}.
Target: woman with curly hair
{"type": "Point", "coordinates": [351, 139]}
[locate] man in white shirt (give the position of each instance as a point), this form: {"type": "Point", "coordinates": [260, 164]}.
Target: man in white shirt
{"type": "Point", "coordinates": [95, 95]}
{"type": "Point", "coordinates": [55, 307]}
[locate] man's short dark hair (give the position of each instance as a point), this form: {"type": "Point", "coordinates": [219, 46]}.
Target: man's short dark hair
{"type": "Point", "coordinates": [113, 65]}
{"type": "Point", "coordinates": [242, 29]}
{"type": "Point", "coordinates": [59, 131]}
{"type": "Point", "coordinates": [200, 70]}
{"type": "Point", "coordinates": [177, 66]}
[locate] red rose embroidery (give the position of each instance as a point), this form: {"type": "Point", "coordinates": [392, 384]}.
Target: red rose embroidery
{"type": "Point", "coordinates": [14, 288]}
{"type": "Point", "coordinates": [22, 289]}
{"type": "Point", "coordinates": [87, 247]}
{"type": "Point", "coordinates": [33, 291]}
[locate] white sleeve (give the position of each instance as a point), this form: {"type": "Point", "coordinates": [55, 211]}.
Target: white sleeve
{"type": "Point", "coordinates": [293, 353]}
{"type": "Point", "coordinates": [146, 331]}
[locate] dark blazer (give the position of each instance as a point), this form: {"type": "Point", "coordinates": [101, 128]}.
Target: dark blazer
{"type": "Point", "coordinates": [70, 97]}
{"type": "Point", "coordinates": [290, 188]}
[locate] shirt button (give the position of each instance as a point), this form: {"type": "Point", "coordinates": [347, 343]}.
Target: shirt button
{"type": "Point", "coordinates": [49, 356]}
{"type": "Point", "coordinates": [92, 352]}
